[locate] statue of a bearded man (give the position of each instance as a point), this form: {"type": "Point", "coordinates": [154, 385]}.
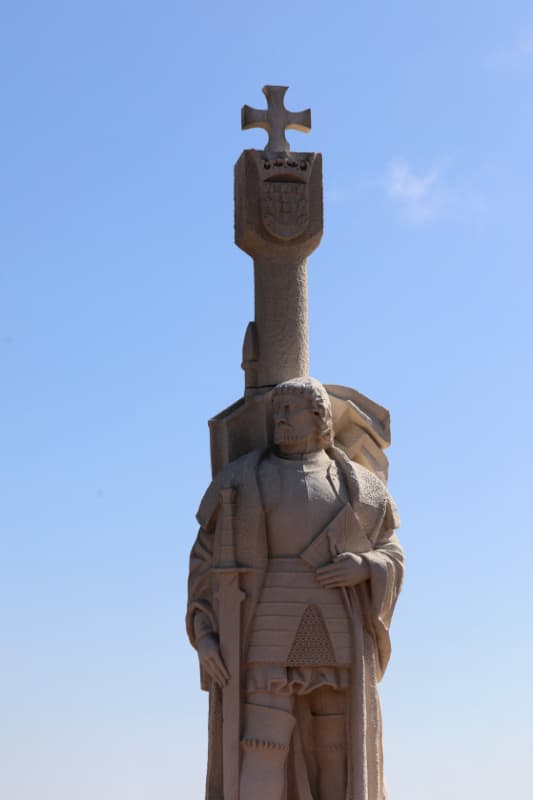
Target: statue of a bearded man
{"type": "Point", "coordinates": [320, 568]}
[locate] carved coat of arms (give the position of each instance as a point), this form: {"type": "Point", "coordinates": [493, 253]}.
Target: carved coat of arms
{"type": "Point", "coordinates": [285, 208]}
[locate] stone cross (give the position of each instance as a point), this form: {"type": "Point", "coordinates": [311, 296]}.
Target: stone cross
{"type": "Point", "coordinates": [275, 119]}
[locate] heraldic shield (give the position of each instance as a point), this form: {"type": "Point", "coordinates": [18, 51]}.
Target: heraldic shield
{"type": "Point", "coordinates": [285, 208]}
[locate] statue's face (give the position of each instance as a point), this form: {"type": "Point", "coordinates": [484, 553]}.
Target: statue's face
{"type": "Point", "coordinates": [296, 425]}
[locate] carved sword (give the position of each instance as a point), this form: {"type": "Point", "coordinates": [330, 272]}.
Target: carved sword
{"type": "Point", "coordinates": [229, 597]}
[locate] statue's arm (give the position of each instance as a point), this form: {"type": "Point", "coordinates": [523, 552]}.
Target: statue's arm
{"type": "Point", "coordinates": [380, 568]}
{"type": "Point", "coordinates": [200, 619]}
{"type": "Point", "coordinates": [385, 560]}
{"type": "Point", "coordinates": [385, 563]}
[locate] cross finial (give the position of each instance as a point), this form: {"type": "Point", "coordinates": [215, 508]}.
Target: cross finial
{"type": "Point", "coordinates": [275, 119]}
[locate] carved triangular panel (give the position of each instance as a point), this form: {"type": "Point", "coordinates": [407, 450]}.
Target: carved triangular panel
{"type": "Point", "coordinates": [312, 646]}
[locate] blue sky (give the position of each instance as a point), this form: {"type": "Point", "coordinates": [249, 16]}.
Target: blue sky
{"type": "Point", "coordinates": [123, 306]}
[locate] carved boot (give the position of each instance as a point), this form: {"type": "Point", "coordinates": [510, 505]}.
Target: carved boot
{"type": "Point", "coordinates": [265, 745]}
{"type": "Point", "coordinates": [329, 734]}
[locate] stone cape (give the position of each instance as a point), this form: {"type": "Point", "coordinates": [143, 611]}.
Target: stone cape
{"type": "Point", "coordinates": [371, 605]}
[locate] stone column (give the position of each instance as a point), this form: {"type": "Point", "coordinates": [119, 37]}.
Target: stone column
{"type": "Point", "coordinates": [281, 321]}
{"type": "Point", "coordinates": [278, 222]}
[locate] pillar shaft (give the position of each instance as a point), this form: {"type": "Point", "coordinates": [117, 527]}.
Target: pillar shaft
{"type": "Point", "coordinates": [278, 222]}
{"type": "Point", "coordinates": [281, 321]}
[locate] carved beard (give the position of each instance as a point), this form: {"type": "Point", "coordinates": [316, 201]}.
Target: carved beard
{"type": "Point", "coordinates": [284, 434]}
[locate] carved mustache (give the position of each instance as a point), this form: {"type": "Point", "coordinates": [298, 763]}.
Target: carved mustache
{"type": "Point", "coordinates": [283, 426]}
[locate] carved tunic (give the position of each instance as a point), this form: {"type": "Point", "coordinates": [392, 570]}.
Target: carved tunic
{"type": "Point", "coordinates": [297, 622]}
{"type": "Point", "coordinates": [374, 517]}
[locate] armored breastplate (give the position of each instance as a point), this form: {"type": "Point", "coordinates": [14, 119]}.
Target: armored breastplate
{"type": "Point", "coordinates": [299, 497]}
{"type": "Point", "coordinates": [297, 622]}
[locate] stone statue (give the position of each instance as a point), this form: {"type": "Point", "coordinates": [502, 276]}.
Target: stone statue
{"type": "Point", "coordinates": [321, 570]}
{"type": "Point", "coordinates": [296, 568]}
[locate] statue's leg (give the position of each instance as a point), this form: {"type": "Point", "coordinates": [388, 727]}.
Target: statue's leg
{"type": "Point", "coordinates": [268, 726]}
{"type": "Point", "coordinates": [328, 708]}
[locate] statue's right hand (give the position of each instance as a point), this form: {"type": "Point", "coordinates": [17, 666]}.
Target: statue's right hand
{"type": "Point", "coordinates": [211, 659]}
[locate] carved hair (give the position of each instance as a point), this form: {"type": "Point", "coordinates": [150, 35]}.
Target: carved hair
{"type": "Point", "coordinates": [320, 404]}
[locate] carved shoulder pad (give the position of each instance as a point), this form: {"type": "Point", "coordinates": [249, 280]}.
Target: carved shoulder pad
{"type": "Point", "coordinates": [233, 474]}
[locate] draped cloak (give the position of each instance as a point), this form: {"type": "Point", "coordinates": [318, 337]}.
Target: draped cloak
{"type": "Point", "coordinates": [371, 607]}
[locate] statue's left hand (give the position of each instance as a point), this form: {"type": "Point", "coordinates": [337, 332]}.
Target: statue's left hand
{"type": "Point", "coordinates": [347, 569]}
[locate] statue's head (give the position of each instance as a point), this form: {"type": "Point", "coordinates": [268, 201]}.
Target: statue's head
{"type": "Point", "coordinates": [303, 421]}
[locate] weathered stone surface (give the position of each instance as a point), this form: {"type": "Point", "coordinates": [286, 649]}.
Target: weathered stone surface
{"type": "Point", "coordinates": [278, 205]}
{"type": "Point", "coordinates": [296, 568]}
{"type": "Point", "coordinates": [278, 221]}
{"type": "Point", "coordinates": [275, 119]}
{"type": "Point", "coordinates": [361, 429]}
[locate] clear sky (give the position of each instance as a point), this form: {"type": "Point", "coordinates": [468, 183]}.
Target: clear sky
{"type": "Point", "coordinates": [123, 307]}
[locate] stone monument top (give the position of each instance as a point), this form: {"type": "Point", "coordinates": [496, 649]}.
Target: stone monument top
{"type": "Point", "coordinates": [276, 119]}
{"type": "Point", "coordinates": [279, 223]}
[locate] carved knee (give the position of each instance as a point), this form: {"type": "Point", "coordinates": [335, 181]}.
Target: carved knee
{"type": "Point", "coordinates": [265, 745]}
{"type": "Point", "coordinates": [267, 728]}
